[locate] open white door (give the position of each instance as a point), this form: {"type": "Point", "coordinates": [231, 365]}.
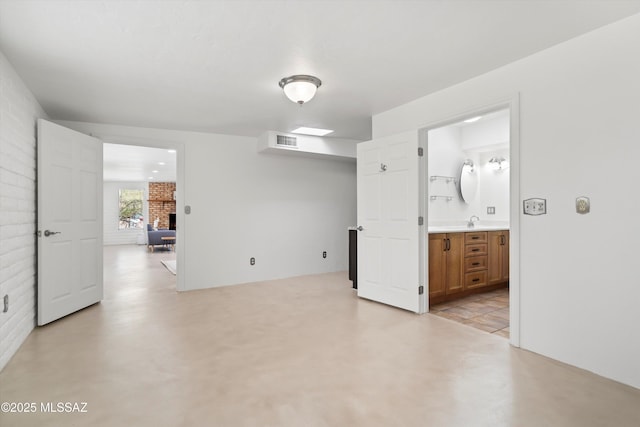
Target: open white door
{"type": "Point", "coordinates": [69, 221]}
{"type": "Point", "coordinates": [388, 211]}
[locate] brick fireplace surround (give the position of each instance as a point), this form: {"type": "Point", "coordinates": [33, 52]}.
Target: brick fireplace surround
{"type": "Point", "coordinates": [161, 202]}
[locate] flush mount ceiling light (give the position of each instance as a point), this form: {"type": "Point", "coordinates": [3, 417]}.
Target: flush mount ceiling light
{"type": "Point", "coordinates": [312, 131]}
{"type": "Point", "coordinates": [300, 88]}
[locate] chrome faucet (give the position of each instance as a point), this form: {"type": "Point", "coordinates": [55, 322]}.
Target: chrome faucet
{"type": "Point", "coordinates": [470, 224]}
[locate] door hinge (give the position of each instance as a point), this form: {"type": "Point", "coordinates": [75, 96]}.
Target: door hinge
{"type": "Point", "coordinates": [420, 290]}
{"type": "Point", "coordinates": [420, 151]}
{"type": "Point", "coordinates": [420, 220]}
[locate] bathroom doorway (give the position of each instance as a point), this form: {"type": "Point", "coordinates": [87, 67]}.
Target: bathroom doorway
{"type": "Point", "coordinates": [469, 211]}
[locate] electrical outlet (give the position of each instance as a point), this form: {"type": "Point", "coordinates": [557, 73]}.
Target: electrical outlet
{"type": "Point", "coordinates": [6, 303]}
{"type": "Point", "coordinates": [535, 206]}
{"type": "Point", "coordinates": [491, 210]}
{"type": "Point", "coordinates": [252, 261]}
{"type": "Point", "coordinates": [324, 254]}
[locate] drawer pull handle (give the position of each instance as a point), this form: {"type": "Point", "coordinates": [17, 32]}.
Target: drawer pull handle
{"type": "Point", "coordinates": [475, 280]}
{"type": "Point", "coordinates": [475, 263]}
{"type": "Point", "coordinates": [475, 238]}
{"type": "Point", "coordinates": [475, 250]}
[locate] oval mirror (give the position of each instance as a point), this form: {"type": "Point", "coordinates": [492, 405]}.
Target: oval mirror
{"type": "Point", "coordinates": [468, 181]}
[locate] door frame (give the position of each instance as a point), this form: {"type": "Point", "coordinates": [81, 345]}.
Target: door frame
{"type": "Point", "coordinates": [513, 105]}
{"type": "Point", "coordinates": [180, 245]}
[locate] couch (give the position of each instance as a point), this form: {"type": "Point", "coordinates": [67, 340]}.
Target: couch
{"type": "Point", "coordinates": [154, 237]}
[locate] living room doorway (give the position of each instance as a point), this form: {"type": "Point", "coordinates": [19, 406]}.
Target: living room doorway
{"type": "Point", "coordinates": [140, 203]}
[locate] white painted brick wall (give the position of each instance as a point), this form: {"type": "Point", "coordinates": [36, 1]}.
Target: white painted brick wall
{"type": "Point", "coordinates": [18, 113]}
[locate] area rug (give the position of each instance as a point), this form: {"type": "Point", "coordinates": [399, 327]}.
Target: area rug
{"type": "Point", "coordinates": [170, 264]}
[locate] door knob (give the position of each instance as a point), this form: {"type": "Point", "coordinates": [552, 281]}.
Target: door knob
{"type": "Point", "coordinates": [48, 233]}
{"type": "Point", "coordinates": [360, 228]}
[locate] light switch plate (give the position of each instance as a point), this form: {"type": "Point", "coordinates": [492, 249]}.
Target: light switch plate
{"type": "Point", "coordinates": [491, 210]}
{"type": "Point", "coordinates": [535, 206]}
{"type": "Point", "coordinates": [583, 205]}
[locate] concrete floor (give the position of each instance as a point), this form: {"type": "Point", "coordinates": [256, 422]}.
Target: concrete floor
{"type": "Point", "coordinates": [303, 351]}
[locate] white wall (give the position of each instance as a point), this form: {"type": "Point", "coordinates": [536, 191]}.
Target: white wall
{"type": "Point", "coordinates": [445, 158]}
{"type": "Point", "coordinates": [579, 136]}
{"type": "Point", "coordinates": [448, 147]}
{"type": "Point", "coordinates": [111, 207]}
{"type": "Point", "coordinates": [282, 210]}
{"type": "Point", "coordinates": [493, 188]}
{"type": "Point", "coordinates": [18, 114]}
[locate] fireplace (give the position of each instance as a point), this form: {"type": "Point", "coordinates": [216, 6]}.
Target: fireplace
{"type": "Point", "coordinates": [172, 221]}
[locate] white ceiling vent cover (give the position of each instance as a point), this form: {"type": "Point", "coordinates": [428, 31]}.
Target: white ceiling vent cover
{"type": "Point", "coordinates": [287, 141]}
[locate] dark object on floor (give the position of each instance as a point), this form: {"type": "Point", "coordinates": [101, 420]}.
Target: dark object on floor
{"type": "Point", "coordinates": [353, 257]}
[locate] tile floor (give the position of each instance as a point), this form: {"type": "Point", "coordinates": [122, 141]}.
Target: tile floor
{"type": "Point", "coordinates": [488, 311]}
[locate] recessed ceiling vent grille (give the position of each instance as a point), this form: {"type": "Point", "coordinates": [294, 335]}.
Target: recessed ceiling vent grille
{"type": "Point", "coordinates": [287, 141]}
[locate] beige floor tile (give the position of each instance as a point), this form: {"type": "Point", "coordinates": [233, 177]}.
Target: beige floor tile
{"type": "Point", "coordinates": [503, 313]}
{"type": "Point", "coordinates": [481, 326]}
{"type": "Point", "coordinates": [502, 332]}
{"type": "Point", "coordinates": [450, 316]}
{"type": "Point", "coordinates": [477, 308]}
{"type": "Point", "coordinates": [492, 320]}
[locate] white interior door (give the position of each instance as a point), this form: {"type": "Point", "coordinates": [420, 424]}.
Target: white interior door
{"type": "Point", "coordinates": [69, 221]}
{"type": "Point", "coordinates": [388, 211]}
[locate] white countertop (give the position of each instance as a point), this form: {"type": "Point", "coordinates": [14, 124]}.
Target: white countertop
{"type": "Point", "coordinates": [464, 228]}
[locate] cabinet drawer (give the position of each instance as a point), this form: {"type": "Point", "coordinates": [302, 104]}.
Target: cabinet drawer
{"type": "Point", "coordinates": [476, 237]}
{"type": "Point", "coordinates": [475, 279]}
{"type": "Point", "coordinates": [475, 250]}
{"type": "Point", "coordinates": [475, 263]}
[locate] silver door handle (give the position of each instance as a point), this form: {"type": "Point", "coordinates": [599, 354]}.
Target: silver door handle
{"type": "Point", "coordinates": [383, 167]}
{"type": "Point", "coordinates": [48, 233]}
{"type": "Point", "coordinates": [359, 228]}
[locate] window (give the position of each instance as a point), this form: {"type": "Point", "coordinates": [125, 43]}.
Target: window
{"type": "Point", "coordinates": [130, 209]}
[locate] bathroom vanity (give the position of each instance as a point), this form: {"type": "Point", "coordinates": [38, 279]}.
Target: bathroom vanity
{"type": "Point", "coordinates": [466, 262]}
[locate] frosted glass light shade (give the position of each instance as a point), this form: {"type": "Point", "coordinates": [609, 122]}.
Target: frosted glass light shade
{"type": "Point", "coordinates": [300, 92]}
{"type": "Point", "coordinates": [300, 88]}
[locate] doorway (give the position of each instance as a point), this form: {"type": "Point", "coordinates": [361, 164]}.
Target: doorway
{"type": "Point", "coordinates": [471, 208]}
{"type": "Point", "coordinates": [155, 170]}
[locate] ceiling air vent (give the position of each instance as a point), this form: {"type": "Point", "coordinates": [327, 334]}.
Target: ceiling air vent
{"type": "Point", "coordinates": [287, 141]}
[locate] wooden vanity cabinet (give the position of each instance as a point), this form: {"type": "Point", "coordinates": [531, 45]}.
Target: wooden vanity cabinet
{"type": "Point", "coordinates": [475, 253]}
{"type": "Point", "coordinates": [466, 262]}
{"type": "Point", "coordinates": [498, 248]}
{"type": "Point", "coordinates": [446, 264]}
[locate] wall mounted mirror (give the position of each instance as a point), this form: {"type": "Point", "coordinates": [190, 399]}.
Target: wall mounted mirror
{"type": "Point", "coordinates": [468, 181]}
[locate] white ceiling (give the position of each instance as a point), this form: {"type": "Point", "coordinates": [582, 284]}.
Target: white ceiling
{"type": "Point", "coordinates": [215, 65]}
{"type": "Point", "coordinates": [137, 164]}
